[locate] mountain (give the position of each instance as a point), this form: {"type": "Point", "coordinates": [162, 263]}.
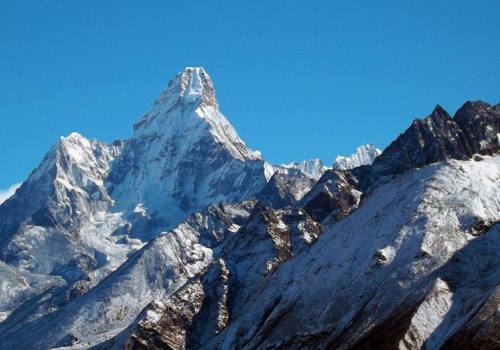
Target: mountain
{"type": "Point", "coordinates": [89, 205]}
{"type": "Point", "coordinates": [181, 237]}
{"type": "Point", "coordinates": [311, 167]}
{"type": "Point", "coordinates": [364, 155]}
{"type": "Point", "coordinates": [185, 155]}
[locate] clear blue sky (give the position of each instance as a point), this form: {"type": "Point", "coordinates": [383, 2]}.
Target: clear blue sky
{"type": "Point", "coordinates": [298, 79]}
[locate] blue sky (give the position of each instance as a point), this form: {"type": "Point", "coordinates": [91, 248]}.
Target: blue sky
{"type": "Point", "coordinates": [297, 79]}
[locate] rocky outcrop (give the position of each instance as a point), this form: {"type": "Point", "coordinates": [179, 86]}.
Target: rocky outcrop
{"type": "Point", "coordinates": [480, 124]}
{"type": "Point", "coordinates": [438, 137]}
{"type": "Point", "coordinates": [482, 330]}
{"type": "Point", "coordinates": [286, 189]}
{"type": "Point", "coordinates": [164, 324]}
{"type": "Point", "coordinates": [336, 194]}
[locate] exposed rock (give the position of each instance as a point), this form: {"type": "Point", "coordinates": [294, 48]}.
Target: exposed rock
{"type": "Point", "coordinates": [482, 331]}
{"type": "Point", "coordinates": [286, 189]}
{"type": "Point", "coordinates": [480, 124]}
{"type": "Point", "coordinates": [163, 325]}
{"type": "Point", "coordinates": [335, 195]}
{"type": "Point", "coordinates": [474, 129]}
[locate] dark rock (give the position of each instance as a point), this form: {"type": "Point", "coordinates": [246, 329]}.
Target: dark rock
{"type": "Point", "coordinates": [438, 137]}
{"type": "Point", "coordinates": [334, 194]}
{"type": "Point", "coordinates": [285, 189]}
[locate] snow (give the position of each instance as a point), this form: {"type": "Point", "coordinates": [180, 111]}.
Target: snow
{"type": "Point", "coordinates": [170, 119]}
{"type": "Point", "coordinates": [364, 155]}
{"type": "Point", "coordinates": [313, 168]}
{"type": "Point", "coordinates": [186, 155]}
{"type": "Point", "coordinates": [195, 87]}
{"type": "Point", "coordinates": [429, 315]}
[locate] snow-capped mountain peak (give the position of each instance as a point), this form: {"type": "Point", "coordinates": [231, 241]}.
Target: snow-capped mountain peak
{"type": "Point", "coordinates": [188, 110]}
{"type": "Point", "coordinates": [364, 155]}
{"type": "Point", "coordinates": [313, 168]}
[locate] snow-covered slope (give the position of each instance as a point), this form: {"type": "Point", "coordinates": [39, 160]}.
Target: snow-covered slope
{"type": "Point", "coordinates": [391, 260]}
{"type": "Point", "coordinates": [364, 155]}
{"type": "Point", "coordinates": [17, 286]}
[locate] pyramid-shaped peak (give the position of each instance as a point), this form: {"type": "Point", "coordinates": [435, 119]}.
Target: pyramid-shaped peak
{"type": "Point", "coordinates": [186, 113]}
{"type": "Point", "coordinates": [439, 112]}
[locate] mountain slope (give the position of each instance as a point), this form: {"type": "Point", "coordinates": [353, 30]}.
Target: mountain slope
{"type": "Point", "coordinates": [388, 255]}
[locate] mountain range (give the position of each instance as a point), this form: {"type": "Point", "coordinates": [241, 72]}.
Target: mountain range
{"type": "Point", "coordinates": [182, 237]}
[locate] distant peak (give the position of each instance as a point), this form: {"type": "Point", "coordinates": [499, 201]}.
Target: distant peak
{"type": "Point", "coordinates": [364, 155]}
{"type": "Point", "coordinates": [73, 136]}
{"type": "Point", "coordinates": [73, 139]}
{"type": "Point", "coordinates": [311, 167]}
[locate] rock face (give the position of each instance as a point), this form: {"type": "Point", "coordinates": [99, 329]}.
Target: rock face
{"type": "Point", "coordinates": [336, 194]}
{"type": "Point", "coordinates": [474, 129]}
{"type": "Point", "coordinates": [163, 325]}
{"type": "Point", "coordinates": [286, 188]}
{"type": "Point", "coordinates": [183, 238]}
